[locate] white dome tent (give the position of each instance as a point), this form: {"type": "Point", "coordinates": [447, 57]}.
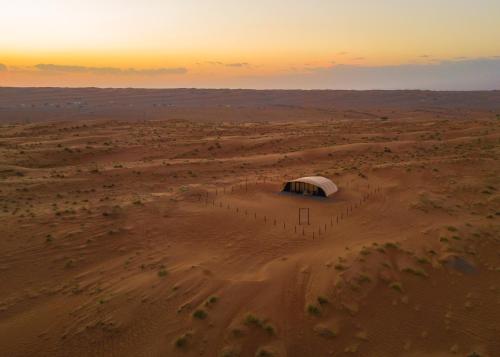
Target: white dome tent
{"type": "Point", "coordinates": [311, 185]}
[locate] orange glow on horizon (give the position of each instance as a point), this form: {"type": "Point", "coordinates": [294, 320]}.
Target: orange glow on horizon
{"type": "Point", "coordinates": [221, 40]}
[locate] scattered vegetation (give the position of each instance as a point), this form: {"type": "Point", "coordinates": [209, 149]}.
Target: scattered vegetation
{"type": "Point", "coordinates": [474, 354]}
{"type": "Point", "coordinates": [264, 352]}
{"type": "Point", "coordinates": [313, 309]}
{"type": "Point", "coordinates": [363, 278]}
{"type": "Point", "coordinates": [396, 286]}
{"type": "Point", "coordinates": [269, 328]}
{"type": "Point", "coordinates": [229, 352]}
{"type": "Point", "coordinates": [251, 319]}
{"type": "Point", "coordinates": [365, 251]}
{"type": "Point", "coordinates": [200, 314]}
{"type": "Point", "coordinates": [211, 301]}
{"type": "Point", "coordinates": [322, 300]}
{"type": "Point", "coordinates": [390, 245]}
{"type": "Point", "coordinates": [417, 272]}
{"type": "Point", "coordinates": [181, 341]}
{"type": "Point", "coordinates": [325, 331]}
{"type": "Point", "coordinates": [162, 272]}
{"type": "Point", "coordinates": [423, 260]}
{"type": "Point", "coordinates": [340, 267]}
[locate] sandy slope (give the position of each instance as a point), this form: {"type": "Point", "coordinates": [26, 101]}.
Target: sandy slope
{"type": "Point", "coordinates": [170, 237]}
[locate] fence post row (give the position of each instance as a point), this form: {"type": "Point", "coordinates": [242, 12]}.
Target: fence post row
{"type": "Point", "coordinates": [304, 217]}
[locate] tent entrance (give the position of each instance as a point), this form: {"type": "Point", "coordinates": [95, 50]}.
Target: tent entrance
{"type": "Point", "coordinates": [304, 188]}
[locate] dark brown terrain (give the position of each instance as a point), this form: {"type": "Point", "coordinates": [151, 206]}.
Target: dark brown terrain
{"type": "Point", "coordinates": [29, 104]}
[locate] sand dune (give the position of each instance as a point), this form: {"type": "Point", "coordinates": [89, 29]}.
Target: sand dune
{"type": "Point", "coordinates": [171, 237]}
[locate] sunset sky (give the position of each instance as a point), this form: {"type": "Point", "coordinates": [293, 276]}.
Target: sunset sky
{"type": "Point", "coordinates": [347, 44]}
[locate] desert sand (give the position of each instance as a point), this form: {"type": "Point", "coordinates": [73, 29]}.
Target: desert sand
{"type": "Point", "coordinates": [151, 223]}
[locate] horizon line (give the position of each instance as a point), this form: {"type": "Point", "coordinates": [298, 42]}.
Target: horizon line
{"type": "Point", "coordinates": [256, 89]}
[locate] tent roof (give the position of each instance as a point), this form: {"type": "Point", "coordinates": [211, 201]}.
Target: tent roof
{"type": "Point", "coordinates": [325, 184]}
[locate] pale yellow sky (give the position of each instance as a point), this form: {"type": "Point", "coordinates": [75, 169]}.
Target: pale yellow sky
{"type": "Point", "coordinates": [214, 42]}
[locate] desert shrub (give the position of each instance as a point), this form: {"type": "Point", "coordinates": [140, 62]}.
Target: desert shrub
{"type": "Point", "coordinates": [325, 331]}
{"type": "Point", "coordinates": [211, 300]}
{"type": "Point", "coordinates": [423, 260]}
{"type": "Point", "coordinates": [270, 329]}
{"type": "Point", "coordinates": [236, 332]}
{"type": "Point", "coordinates": [417, 272]}
{"type": "Point", "coordinates": [474, 354]}
{"type": "Point", "coordinates": [200, 314]}
{"type": "Point", "coordinates": [363, 278]}
{"type": "Point", "coordinates": [229, 352]}
{"type": "Point", "coordinates": [396, 286]}
{"type": "Point", "coordinates": [340, 267]}
{"type": "Point", "coordinates": [262, 352]}
{"type": "Point", "coordinates": [322, 300]}
{"type": "Point", "coordinates": [365, 251]}
{"type": "Point", "coordinates": [386, 265]}
{"type": "Point", "coordinates": [251, 319]}
{"type": "Point", "coordinates": [390, 245]}
{"type": "Point", "coordinates": [181, 341]}
{"type": "Point", "coordinates": [313, 309]}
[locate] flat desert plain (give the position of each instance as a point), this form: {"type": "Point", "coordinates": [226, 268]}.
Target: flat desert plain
{"type": "Point", "coordinates": [151, 223]}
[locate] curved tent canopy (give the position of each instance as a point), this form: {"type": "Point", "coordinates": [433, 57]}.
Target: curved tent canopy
{"type": "Point", "coordinates": [312, 185]}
